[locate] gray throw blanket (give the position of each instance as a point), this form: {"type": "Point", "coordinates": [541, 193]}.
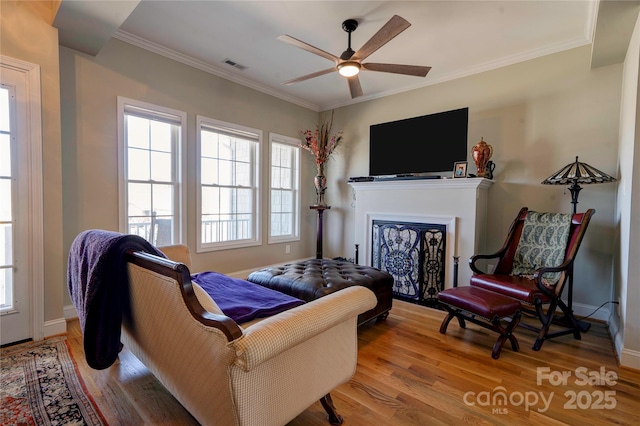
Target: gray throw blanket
{"type": "Point", "coordinates": [98, 283]}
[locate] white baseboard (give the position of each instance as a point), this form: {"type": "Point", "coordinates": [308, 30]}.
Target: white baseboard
{"type": "Point", "coordinates": [70, 312]}
{"type": "Point", "coordinates": [626, 357]}
{"type": "Point", "coordinates": [630, 359]}
{"type": "Point", "coordinates": [581, 310]}
{"type": "Point", "coordinates": [53, 327]}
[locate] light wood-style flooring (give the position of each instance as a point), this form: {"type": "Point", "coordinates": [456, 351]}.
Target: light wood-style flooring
{"type": "Point", "coordinates": [410, 374]}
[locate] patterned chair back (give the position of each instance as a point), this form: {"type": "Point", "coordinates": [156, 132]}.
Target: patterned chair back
{"type": "Point", "coordinates": [577, 229]}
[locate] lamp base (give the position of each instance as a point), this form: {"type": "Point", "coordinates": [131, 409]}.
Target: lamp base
{"type": "Point", "coordinates": [584, 326]}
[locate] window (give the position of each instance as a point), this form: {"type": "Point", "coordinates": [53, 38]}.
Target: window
{"type": "Point", "coordinates": [7, 196]}
{"type": "Point", "coordinates": [151, 179]}
{"type": "Point", "coordinates": [21, 212]}
{"type": "Point", "coordinates": [228, 185]}
{"type": "Point", "coordinates": [284, 199]}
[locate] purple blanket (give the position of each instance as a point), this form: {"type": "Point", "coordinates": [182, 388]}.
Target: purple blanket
{"type": "Point", "coordinates": [98, 283]}
{"type": "Point", "coordinates": [241, 300]}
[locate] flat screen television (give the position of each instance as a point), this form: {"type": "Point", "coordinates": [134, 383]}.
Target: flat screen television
{"type": "Point", "coordinates": [427, 144]}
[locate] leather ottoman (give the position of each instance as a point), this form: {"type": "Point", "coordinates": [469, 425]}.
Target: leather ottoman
{"type": "Point", "coordinates": [484, 307]}
{"type": "Point", "coordinates": [314, 278]}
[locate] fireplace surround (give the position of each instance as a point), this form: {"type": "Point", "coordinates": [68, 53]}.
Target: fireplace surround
{"type": "Point", "coordinates": [458, 204]}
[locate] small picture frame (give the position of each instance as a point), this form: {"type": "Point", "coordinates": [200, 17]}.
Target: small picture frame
{"type": "Point", "coordinates": [460, 169]}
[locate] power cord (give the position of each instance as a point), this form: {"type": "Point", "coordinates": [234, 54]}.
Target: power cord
{"type": "Point", "coordinates": [598, 308]}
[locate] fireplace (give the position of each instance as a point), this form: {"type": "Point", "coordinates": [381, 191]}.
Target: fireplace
{"type": "Point", "coordinates": [414, 253]}
{"type": "Point", "coordinates": [459, 204]}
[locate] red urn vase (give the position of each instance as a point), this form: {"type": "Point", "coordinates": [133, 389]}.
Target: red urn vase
{"type": "Point", "coordinates": [481, 153]}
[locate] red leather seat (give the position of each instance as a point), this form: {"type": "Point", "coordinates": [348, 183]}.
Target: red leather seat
{"type": "Point", "coordinates": [517, 287]}
{"type": "Point", "coordinates": [487, 304]}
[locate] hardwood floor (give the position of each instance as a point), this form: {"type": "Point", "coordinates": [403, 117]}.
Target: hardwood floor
{"type": "Point", "coordinates": [410, 374]}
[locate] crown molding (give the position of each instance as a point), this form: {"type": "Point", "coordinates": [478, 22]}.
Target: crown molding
{"type": "Point", "coordinates": [591, 22]}
{"type": "Point", "coordinates": [206, 67]}
{"type": "Point", "coordinates": [480, 68]}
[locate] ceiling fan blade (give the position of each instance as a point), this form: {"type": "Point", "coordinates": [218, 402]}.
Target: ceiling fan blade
{"type": "Point", "coordinates": [354, 86]}
{"type": "Point", "coordinates": [309, 48]}
{"type": "Point", "coordinates": [416, 70]}
{"type": "Point", "coordinates": [392, 28]}
{"type": "Point", "coordinates": [308, 76]}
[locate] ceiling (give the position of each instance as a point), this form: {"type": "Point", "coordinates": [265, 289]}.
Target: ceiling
{"type": "Point", "coordinates": [455, 38]}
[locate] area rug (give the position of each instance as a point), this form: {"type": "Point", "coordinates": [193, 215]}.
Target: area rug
{"type": "Point", "coordinates": [40, 385]}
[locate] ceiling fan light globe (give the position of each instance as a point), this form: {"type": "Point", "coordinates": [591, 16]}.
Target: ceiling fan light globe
{"type": "Point", "coordinates": [349, 68]}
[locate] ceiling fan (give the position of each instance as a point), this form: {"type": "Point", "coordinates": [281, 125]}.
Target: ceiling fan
{"type": "Point", "coordinates": [349, 64]}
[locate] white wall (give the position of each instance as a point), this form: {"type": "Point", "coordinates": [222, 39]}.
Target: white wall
{"type": "Point", "coordinates": [627, 269]}
{"type": "Point", "coordinates": [90, 87]}
{"type": "Point", "coordinates": [22, 23]}
{"type": "Point", "coordinates": [538, 115]}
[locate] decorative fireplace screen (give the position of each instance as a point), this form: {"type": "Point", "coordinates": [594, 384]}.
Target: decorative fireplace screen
{"type": "Point", "coordinates": [414, 253]}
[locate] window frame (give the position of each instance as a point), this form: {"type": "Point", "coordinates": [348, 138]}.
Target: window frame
{"type": "Point", "coordinates": [12, 178]}
{"type": "Point", "coordinates": [33, 264]}
{"type": "Point", "coordinates": [295, 235]}
{"type": "Point", "coordinates": [163, 114]}
{"type": "Point", "coordinates": [256, 180]}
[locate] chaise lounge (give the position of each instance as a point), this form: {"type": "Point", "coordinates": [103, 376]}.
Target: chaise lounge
{"type": "Point", "coordinates": [265, 372]}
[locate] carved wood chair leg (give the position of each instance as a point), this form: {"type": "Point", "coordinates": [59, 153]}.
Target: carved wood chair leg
{"type": "Point", "coordinates": [461, 321]}
{"type": "Point", "coordinates": [512, 325]}
{"type": "Point", "coordinates": [540, 311]}
{"type": "Point", "coordinates": [514, 343]}
{"type": "Point", "coordinates": [446, 321]}
{"type": "Point", "coordinates": [546, 321]}
{"type": "Point", "coordinates": [497, 346]}
{"type": "Point", "coordinates": [537, 345]}
{"type": "Point", "coordinates": [570, 319]}
{"type": "Point", "coordinates": [327, 404]}
{"type": "Point", "coordinates": [452, 313]}
{"type": "Point", "coordinates": [505, 334]}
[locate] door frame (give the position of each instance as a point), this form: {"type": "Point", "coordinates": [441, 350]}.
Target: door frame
{"type": "Point", "coordinates": [35, 261]}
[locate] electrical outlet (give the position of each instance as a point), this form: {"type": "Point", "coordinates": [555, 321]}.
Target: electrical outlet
{"type": "Point", "coordinates": [618, 309]}
{"type": "Point", "coordinates": [287, 249]}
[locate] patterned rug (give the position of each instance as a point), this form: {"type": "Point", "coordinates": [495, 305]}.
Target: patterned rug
{"type": "Point", "coordinates": [40, 385]}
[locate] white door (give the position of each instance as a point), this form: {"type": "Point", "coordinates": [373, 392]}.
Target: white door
{"type": "Point", "coordinates": [17, 210]}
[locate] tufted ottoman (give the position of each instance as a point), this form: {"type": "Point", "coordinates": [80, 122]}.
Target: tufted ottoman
{"type": "Point", "coordinates": [314, 278]}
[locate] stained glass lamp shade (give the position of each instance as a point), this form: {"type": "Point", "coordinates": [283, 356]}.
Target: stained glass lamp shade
{"type": "Point", "coordinates": [574, 174]}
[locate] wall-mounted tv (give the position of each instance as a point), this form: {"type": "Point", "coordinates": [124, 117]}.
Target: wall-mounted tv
{"type": "Point", "coordinates": [427, 144]}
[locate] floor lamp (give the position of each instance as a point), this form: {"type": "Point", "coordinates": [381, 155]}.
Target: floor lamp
{"type": "Point", "coordinates": [574, 174]}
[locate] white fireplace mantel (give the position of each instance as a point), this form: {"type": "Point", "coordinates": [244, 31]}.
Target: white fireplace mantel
{"type": "Point", "coordinates": [459, 203]}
